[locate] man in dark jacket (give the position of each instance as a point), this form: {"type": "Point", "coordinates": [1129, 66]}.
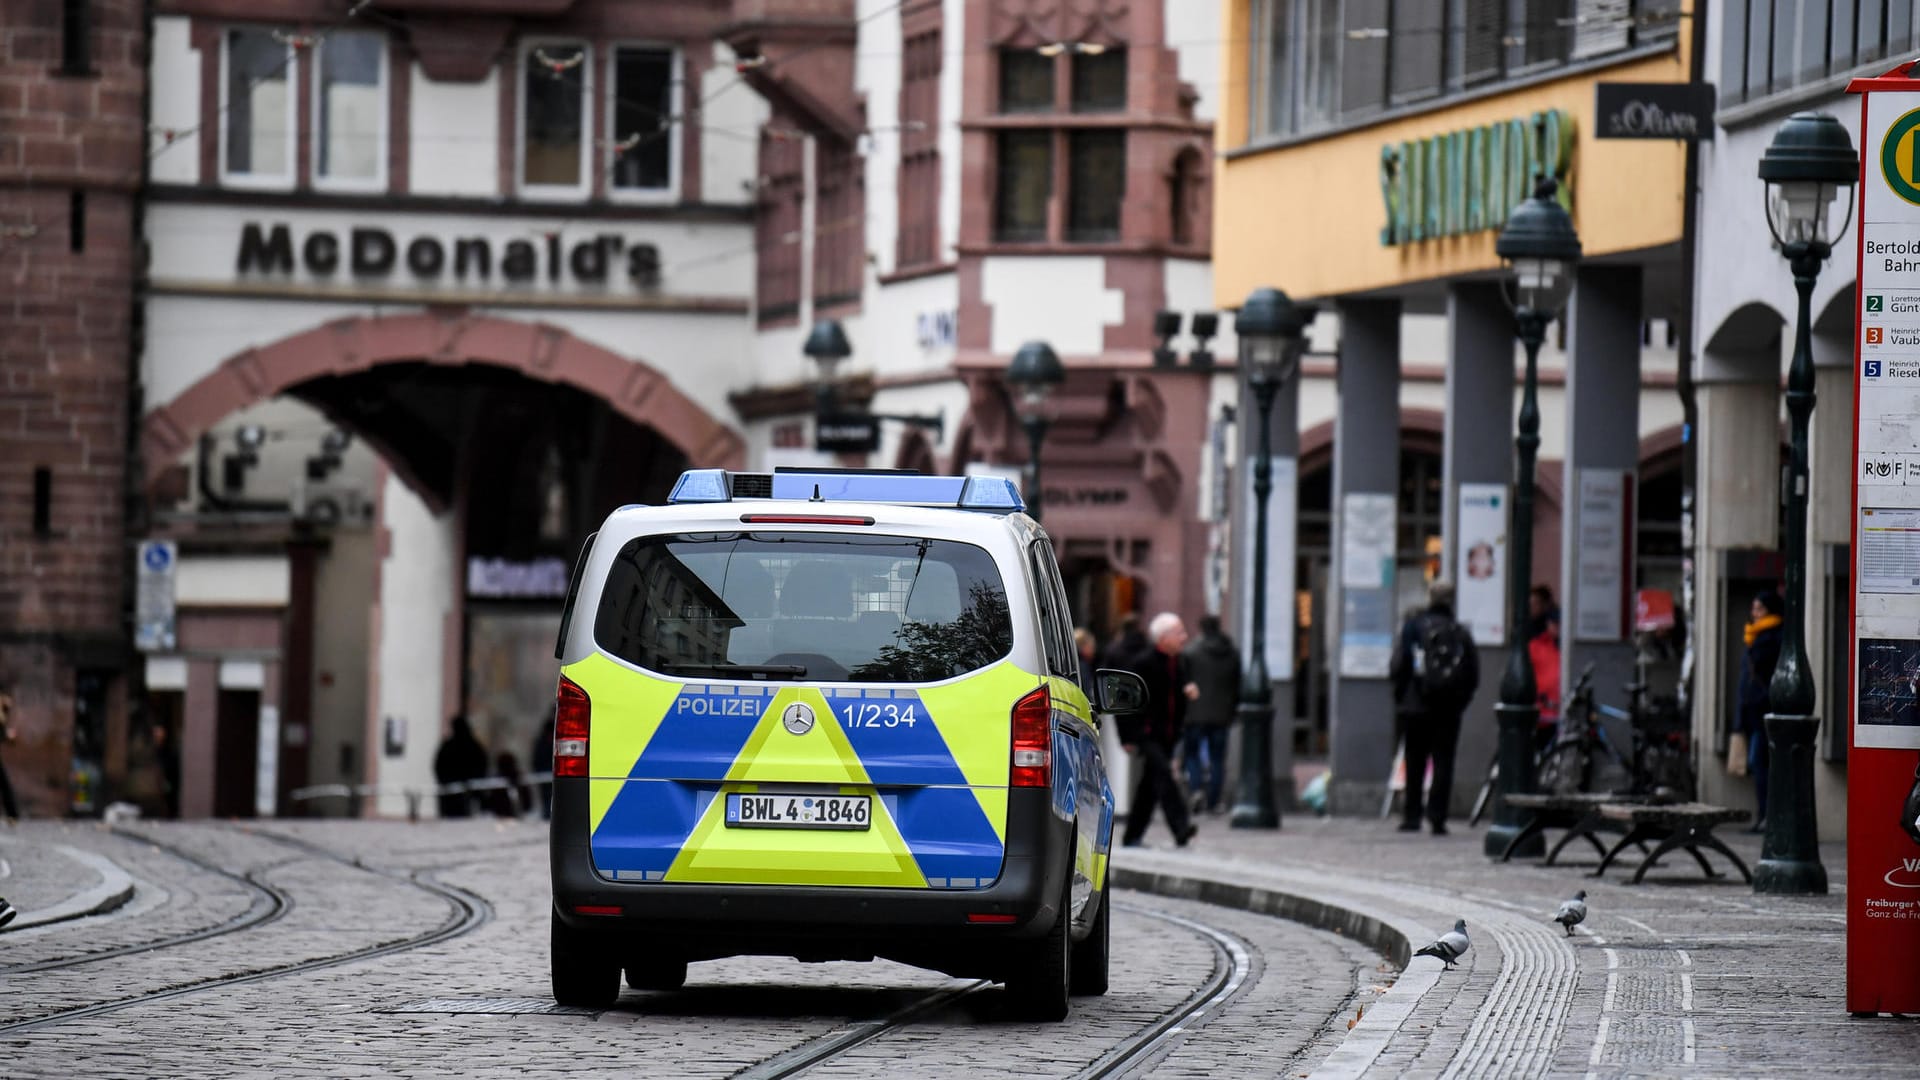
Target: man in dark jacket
{"type": "Point", "coordinates": [461, 759]}
{"type": "Point", "coordinates": [1152, 734]}
{"type": "Point", "coordinates": [1213, 661]}
{"type": "Point", "coordinates": [1435, 671]}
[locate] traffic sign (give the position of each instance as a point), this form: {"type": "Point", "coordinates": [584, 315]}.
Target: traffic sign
{"type": "Point", "coordinates": [154, 627]}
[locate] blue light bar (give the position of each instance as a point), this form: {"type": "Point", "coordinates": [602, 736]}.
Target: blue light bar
{"type": "Point", "coordinates": [700, 486]}
{"type": "Point", "coordinates": [990, 493]}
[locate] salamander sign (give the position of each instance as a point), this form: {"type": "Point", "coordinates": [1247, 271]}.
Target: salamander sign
{"type": "Point", "coordinates": [1469, 181]}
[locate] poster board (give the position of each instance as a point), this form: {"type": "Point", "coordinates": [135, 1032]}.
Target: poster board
{"type": "Point", "coordinates": [1603, 555]}
{"type": "Point", "coordinates": [1883, 715]}
{"type": "Point", "coordinates": [1480, 562]}
{"type": "Point", "coordinates": [1366, 565]}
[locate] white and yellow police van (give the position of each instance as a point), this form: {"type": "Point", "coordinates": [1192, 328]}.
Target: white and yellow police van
{"type": "Point", "coordinates": [834, 715]}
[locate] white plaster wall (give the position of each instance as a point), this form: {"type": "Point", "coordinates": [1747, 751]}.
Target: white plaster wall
{"type": "Point", "coordinates": [455, 136]}
{"type": "Point", "coordinates": [175, 73]}
{"type": "Point", "coordinates": [232, 581]}
{"type": "Point", "coordinates": [1737, 264]}
{"type": "Point", "coordinates": [876, 76]}
{"type": "Point", "coordinates": [188, 337]}
{"type": "Point", "coordinates": [1193, 30]}
{"type": "Point", "coordinates": [1061, 299]}
{"type": "Point", "coordinates": [730, 141]}
{"type": "Point", "coordinates": [416, 595]}
{"type": "Point", "coordinates": [953, 47]}
{"type": "Point", "coordinates": [697, 259]}
{"type": "Point", "coordinates": [887, 341]}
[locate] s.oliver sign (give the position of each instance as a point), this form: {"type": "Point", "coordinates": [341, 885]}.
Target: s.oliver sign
{"type": "Point", "coordinates": [1682, 111]}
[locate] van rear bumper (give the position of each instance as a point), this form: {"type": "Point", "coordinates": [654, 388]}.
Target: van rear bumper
{"type": "Point", "coordinates": [925, 926]}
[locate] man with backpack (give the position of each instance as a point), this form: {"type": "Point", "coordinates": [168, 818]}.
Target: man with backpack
{"type": "Point", "coordinates": [1435, 672]}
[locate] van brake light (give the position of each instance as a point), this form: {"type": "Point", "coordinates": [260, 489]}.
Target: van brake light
{"type": "Point", "coordinates": [572, 724]}
{"type": "Point", "coordinates": [1033, 740]}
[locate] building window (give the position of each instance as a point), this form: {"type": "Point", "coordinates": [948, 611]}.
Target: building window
{"type": "Point", "coordinates": [257, 109]}
{"type": "Point", "coordinates": [1026, 81]}
{"type": "Point", "coordinates": [76, 37]}
{"type": "Point", "coordinates": [1096, 185]}
{"type": "Point", "coordinates": [350, 110]}
{"type": "Point", "coordinates": [1317, 65]}
{"type": "Point", "coordinates": [1100, 81]}
{"type": "Point", "coordinates": [1769, 48]}
{"type": "Point", "coordinates": [777, 225]}
{"type": "Point", "coordinates": [919, 183]}
{"type": "Point", "coordinates": [1185, 227]}
{"type": "Point", "coordinates": [644, 123]}
{"type": "Point", "coordinates": [839, 234]}
{"type": "Point", "coordinates": [555, 79]}
{"type": "Point", "coordinates": [1026, 185]}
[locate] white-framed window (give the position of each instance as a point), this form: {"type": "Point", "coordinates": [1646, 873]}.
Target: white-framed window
{"type": "Point", "coordinates": [643, 126]}
{"type": "Point", "coordinates": [257, 117]}
{"type": "Point", "coordinates": [556, 83]}
{"type": "Point", "coordinates": [350, 129]}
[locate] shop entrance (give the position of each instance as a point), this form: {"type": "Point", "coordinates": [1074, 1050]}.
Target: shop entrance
{"type": "Point", "coordinates": [236, 762]}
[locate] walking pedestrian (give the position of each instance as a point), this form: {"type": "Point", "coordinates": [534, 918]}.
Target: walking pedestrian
{"type": "Point", "coordinates": [1756, 672]}
{"type": "Point", "coordinates": [9, 809]}
{"type": "Point", "coordinates": [1083, 649]}
{"type": "Point", "coordinates": [1213, 661]}
{"type": "Point", "coordinates": [1127, 644]}
{"type": "Point", "coordinates": [1435, 671]}
{"type": "Point", "coordinates": [1151, 734]}
{"type": "Point", "coordinates": [460, 760]}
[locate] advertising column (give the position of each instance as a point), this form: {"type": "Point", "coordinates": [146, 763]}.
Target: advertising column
{"type": "Point", "coordinates": [1883, 854]}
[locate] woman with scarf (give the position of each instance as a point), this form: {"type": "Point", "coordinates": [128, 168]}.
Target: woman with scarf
{"type": "Point", "coordinates": [1756, 672]}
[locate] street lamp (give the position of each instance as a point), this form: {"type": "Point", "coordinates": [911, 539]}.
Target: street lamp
{"type": "Point", "coordinates": [1810, 160]}
{"type": "Point", "coordinates": [847, 431]}
{"type": "Point", "coordinates": [827, 346]}
{"type": "Point", "coordinates": [1540, 249]}
{"type": "Point", "coordinates": [1033, 374]}
{"type": "Point", "coordinates": [1270, 328]}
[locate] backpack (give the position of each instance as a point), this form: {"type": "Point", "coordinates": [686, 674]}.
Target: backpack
{"type": "Point", "coordinates": [1441, 662]}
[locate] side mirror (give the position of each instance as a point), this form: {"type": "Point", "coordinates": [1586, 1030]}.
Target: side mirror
{"type": "Point", "coordinates": [1119, 692]}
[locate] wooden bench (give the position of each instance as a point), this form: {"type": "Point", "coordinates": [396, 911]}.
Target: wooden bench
{"type": "Point", "coordinates": [1684, 826]}
{"type": "Point", "coordinates": [1577, 812]}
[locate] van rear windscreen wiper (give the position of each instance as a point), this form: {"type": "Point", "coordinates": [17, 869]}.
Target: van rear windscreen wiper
{"type": "Point", "coordinates": [758, 671]}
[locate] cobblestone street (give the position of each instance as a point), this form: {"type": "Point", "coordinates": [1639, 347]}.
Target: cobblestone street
{"type": "Point", "coordinates": [286, 895]}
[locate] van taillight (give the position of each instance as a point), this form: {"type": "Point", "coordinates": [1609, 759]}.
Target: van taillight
{"type": "Point", "coordinates": [1033, 740]}
{"type": "Point", "coordinates": [571, 725]}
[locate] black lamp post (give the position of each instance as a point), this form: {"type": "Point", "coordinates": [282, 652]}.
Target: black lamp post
{"type": "Point", "coordinates": [1541, 249]}
{"type": "Point", "coordinates": [1810, 159]}
{"type": "Point", "coordinates": [1033, 374]}
{"type": "Point", "coordinates": [1270, 328]}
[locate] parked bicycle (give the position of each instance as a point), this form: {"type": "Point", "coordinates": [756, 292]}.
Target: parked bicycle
{"type": "Point", "coordinates": [1659, 765]}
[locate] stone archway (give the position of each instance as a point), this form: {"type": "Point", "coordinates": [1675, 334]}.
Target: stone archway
{"type": "Point", "coordinates": [539, 351]}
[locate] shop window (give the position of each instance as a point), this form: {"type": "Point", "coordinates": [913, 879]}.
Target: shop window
{"type": "Point", "coordinates": [257, 109]}
{"type": "Point", "coordinates": [350, 110]}
{"type": "Point", "coordinates": [919, 182]}
{"type": "Point", "coordinates": [1026, 184]}
{"type": "Point", "coordinates": [1100, 81]}
{"type": "Point", "coordinates": [555, 79]}
{"type": "Point", "coordinates": [1026, 81]}
{"type": "Point", "coordinates": [643, 112]}
{"type": "Point", "coordinates": [1096, 185]}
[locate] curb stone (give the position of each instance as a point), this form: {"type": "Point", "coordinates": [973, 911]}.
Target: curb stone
{"type": "Point", "coordinates": [116, 887]}
{"type": "Point", "coordinates": [1386, 934]}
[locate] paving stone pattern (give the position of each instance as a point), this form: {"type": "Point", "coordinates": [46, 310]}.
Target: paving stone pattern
{"type": "Point", "coordinates": [1673, 977]}
{"type": "Point", "coordinates": [734, 1013]}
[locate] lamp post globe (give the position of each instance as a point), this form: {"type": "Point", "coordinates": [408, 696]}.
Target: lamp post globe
{"type": "Point", "coordinates": [1271, 331]}
{"type": "Point", "coordinates": [827, 346]}
{"type": "Point", "coordinates": [1032, 376]}
{"type": "Point", "coordinates": [1541, 251]}
{"type": "Point", "coordinates": [1810, 161]}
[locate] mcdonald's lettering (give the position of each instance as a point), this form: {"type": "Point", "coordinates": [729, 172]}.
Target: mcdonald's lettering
{"type": "Point", "coordinates": [1469, 181]}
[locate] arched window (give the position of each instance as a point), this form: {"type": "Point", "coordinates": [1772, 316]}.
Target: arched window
{"type": "Point", "coordinates": [1183, 202]}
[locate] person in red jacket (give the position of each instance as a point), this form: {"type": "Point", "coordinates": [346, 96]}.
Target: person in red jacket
{"type": "Point", "coordinates": [1543, 648]}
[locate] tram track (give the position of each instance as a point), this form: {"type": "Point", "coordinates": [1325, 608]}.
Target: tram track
{"type": "Point", "coordinates": [1232, 965]}
{"type": "Point", "coordinates": [467, 913]}
{"type": "Point", "coordinates": [266, 905]}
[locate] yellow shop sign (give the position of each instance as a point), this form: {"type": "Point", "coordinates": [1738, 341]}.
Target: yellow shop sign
{"type": "Point", "coordinates": [1469, 181]}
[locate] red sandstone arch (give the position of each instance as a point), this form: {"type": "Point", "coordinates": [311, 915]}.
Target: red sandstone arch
{"type": "Point", "coordinates": [345, 346]}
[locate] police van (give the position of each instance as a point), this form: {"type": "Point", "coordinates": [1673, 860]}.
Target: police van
{"type": "Point", "coordinates": [834, 715]}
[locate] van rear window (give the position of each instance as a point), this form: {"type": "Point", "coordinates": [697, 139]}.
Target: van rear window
{"type": "Point", "coordinates": [774, 605]}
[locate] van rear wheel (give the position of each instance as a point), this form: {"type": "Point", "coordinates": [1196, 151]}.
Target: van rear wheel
{"type": "Point", "coordinates": [583, 976]}
{"type": "Point", "coordinates": [1039, 987]}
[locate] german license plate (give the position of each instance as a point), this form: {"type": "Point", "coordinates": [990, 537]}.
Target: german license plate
{"type": "Point", "coordinates": [783, 811]}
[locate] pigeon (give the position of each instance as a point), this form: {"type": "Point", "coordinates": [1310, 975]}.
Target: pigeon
{"type": "Point", "coordinates": [1452, 945]}
{"type": "Point", "coordinates": [1572, 912]}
